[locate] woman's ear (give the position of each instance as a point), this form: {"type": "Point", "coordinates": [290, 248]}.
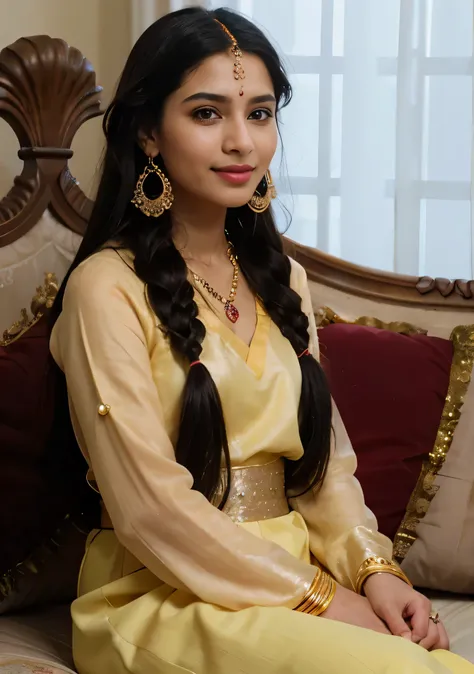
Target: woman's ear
{"type": "Point", "coordinates": [149, 143]}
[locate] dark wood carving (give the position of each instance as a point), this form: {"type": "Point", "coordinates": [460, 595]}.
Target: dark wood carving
{"type": "Point", "coordinates": [47, 90]}
{"type": "Point", "coordinates": [383, 286]}
{"type": "Point", "coordinates": [465, 289]}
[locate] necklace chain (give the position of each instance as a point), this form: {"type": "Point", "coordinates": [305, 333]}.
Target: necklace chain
{"type": "Point", "coordinates": [230, 310]}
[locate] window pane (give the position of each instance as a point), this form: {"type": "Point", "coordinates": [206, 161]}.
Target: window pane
{"type": "Point", "coordinates": [449, 119]}
{"type": "Point", "coordinates": [451, 28]}
{"type": "Point", "coordinates": [383, 24]}
{"type": "Point", "coordinates": [300, 127]}
{"type": "Point", "coordinates": [447, 239]}
{"type": "Point", "coordinates": [303, 209]}
{"type": "Point", "coordinates": [336, 125]}
{"type": "Point", "coordinates": [338, 28]}
{"type": "Point", "coordinates": [387, 141]}
{"type": "Point", "coordinates": [295, 26]}
{"type": "Point", "coordinates": [335, 226]}
{"type": "Point", "coordinates": [368, 231]}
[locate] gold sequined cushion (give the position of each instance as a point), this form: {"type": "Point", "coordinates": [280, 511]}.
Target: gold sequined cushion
{"type": "Point", "coordinates": [435, 542]}
{"type": "Point", "coordinates": [390, 388]}
{"type": "Point", "coordinates": [40, 548]}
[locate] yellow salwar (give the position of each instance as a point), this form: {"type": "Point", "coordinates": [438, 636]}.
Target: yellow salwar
{"type": "Point", "coordinates": [177, 585]}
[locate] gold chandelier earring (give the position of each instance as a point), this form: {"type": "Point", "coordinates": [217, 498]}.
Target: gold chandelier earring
{"type": "Point", "coordinates": [157, 206]}
{"type": "Point", "coordinates": [260, 202]}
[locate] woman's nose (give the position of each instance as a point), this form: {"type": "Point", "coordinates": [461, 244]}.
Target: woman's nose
{"type": "Point", "coordinates": [238, 138]}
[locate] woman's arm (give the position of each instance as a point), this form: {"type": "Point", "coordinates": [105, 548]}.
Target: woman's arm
{"type": "Point", "coordinates": [100, 343]}
{"type": "Point", "coordinates": [344, 537]}
{"type": "Point", "coordinates": [343, 531]}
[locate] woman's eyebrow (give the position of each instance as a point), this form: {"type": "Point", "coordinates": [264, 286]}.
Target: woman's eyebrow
{"type": "Point", "coordinates": [219, 98]}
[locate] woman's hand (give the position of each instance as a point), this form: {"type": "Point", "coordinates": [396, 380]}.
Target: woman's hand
{"type": "Point", "coordinates": [404, 610]}
{"type": "Point", "coordinates": [349, 607]}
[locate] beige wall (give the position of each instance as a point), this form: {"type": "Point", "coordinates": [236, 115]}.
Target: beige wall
{"type": "Point", "coordinates": [101, 29]}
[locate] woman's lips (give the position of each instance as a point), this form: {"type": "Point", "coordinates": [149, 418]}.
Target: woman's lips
{"type": "Point", "coordinates": [238, 175]}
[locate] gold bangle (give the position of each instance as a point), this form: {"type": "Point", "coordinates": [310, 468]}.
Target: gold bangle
{"type": "Point", "coordinates": [378, 565]}
{"type": "Point", "coordinates": [319, 595]}
{"type": "Point", "coordinates": [327, 592]}
{"type": "Point", "coordinates": [311, 594]}
{"type": "Point", "coordinates": [329, 597]}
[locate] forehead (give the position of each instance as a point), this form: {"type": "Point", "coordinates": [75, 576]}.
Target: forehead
{"type": "Point", "coordinates": [216, 75]}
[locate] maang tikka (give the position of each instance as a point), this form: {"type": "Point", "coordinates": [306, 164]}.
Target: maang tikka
{"type": "Point", "coordinates": [236, 52]}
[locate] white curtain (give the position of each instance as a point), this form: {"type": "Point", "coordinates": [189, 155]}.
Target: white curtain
{"type": "Point", "coordinates": [378, 139]}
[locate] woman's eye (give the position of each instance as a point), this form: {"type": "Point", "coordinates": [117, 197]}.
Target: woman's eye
{"type": "Point", "coordinates": [205, 114]}
{"type": "Point", "coordinates": [261, 115]}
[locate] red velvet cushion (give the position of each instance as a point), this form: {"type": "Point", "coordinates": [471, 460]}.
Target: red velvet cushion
{"type": "Point", "coordinates": [39, 487]}
{"type": "Point", "coordinates": [390, 390]}
{"type": "Point", "coordinates": [26, 408]}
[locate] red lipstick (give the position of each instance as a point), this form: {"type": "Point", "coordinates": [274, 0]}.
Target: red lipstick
{"type": "Point", "coordinates": [238, 174]}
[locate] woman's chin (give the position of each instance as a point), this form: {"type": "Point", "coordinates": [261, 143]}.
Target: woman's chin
{"type": "Point", "coordinates": [238, 199]}
{"type": "Point", "coordinates": [231, 203]}
{"type": "Point", "coordinates": [228, 198]}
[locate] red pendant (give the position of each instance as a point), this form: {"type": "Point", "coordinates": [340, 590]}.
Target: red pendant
{"type": "Point", "coordinates": [231, 312]}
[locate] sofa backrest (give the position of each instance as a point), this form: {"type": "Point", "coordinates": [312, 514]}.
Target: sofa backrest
{"type": "Point", "coordinates": [352, 291]}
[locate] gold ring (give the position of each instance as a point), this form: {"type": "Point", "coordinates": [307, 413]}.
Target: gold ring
{"type": "Point", "coordinates": [434, 616]}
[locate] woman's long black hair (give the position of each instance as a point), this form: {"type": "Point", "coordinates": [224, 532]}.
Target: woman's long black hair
{"type": "Point", "coordinates": [171, 48]}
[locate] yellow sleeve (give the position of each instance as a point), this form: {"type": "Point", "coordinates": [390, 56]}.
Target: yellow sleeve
{"type": "Point", "coordinates": [102, 342]}
{"type": "Point", "coordinates": [343, 531]}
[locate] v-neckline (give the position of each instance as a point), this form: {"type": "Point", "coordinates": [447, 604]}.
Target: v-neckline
{"type": "Point", "coordinates": [254, 353]}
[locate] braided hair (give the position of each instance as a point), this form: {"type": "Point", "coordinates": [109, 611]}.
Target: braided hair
{"type": "Point", "coordinates": [172, 47]}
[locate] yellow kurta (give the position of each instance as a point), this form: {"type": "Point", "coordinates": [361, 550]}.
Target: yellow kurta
{"type": "Point", "coordinates": [214, 596]}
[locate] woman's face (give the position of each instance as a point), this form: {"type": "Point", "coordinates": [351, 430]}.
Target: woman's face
{"type": "Point", "coordinates": [207, 127]}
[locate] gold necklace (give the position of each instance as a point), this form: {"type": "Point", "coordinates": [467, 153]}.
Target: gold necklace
{"type": "Point", "coordinates": [231, 311]}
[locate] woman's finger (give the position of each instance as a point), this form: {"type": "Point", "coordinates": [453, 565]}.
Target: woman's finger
{"type": "Point", "coordinates": [396, 623]}
{"type": "Point", "coordinates": [443, 639]}
{"type": "Point", "coordinates": [432, 639]}
{"type": "Point", "coordinates": [419, 614]}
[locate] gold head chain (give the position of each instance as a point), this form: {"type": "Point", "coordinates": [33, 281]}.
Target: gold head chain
{"type": "Point", "coordinates": [236, 52]}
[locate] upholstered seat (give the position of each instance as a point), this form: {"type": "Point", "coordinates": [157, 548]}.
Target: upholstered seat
{"type": "Point", "coordinates": [37, 639]}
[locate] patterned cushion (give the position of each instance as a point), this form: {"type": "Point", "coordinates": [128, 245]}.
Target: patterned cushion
{"type": "Point", "coordinates": [436, 540]}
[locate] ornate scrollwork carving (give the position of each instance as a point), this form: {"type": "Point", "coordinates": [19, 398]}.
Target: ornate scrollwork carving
{"type": "Point", "coordinates": [47, 91]}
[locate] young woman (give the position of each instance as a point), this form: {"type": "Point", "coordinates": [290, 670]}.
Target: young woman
{"type": "Point", "coordinates": [234, 536]}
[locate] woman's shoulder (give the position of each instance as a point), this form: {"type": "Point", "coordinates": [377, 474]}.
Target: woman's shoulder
{"type": "Point", "coordinates": [104, 283]}
{"type": "Point", "coordinates": [103, 296]}
{"type": "Point", "coordinates": [102, 272]}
